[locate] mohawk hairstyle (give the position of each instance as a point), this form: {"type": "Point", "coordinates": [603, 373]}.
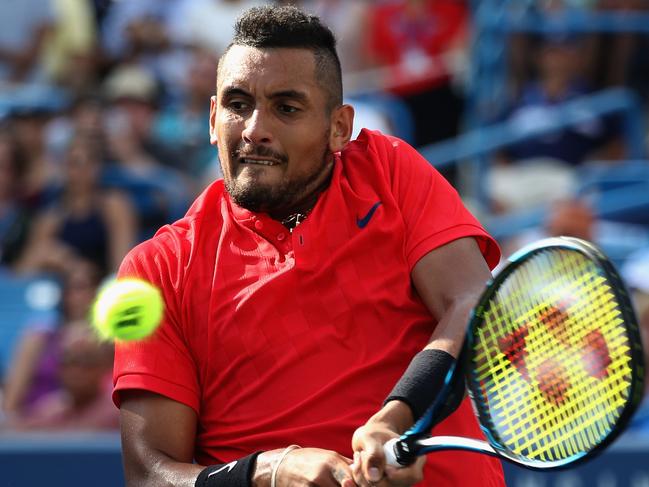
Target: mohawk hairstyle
{"type": "Point", "coordinates": [289, 27]}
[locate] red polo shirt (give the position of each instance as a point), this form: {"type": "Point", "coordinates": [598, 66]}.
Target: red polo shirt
{"type": "Point", "coordinates": [275, 337]}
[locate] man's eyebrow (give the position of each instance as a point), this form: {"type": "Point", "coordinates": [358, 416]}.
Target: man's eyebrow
{"type": "Point", "coordinates": [291, 94]}
{"type": "Point", "coordinates": [297, 95]}
{"type": "Point", "coordinates": [232, 91]}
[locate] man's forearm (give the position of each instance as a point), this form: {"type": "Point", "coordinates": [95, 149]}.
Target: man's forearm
{"type": "Point", "coordinates": [395, 415]}
{"type": "Point", "coordinates": [162, 472]}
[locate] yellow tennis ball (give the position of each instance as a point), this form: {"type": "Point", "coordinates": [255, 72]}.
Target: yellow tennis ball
{"type": "Point", "coordinates": [127, 309]}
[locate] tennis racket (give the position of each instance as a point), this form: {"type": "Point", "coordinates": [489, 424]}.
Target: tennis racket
{"type": "Point", "coordinates": [552, 362]}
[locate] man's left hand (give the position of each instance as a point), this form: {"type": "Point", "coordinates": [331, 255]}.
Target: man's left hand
{"type": "Point", "coordinates": [369, 467]}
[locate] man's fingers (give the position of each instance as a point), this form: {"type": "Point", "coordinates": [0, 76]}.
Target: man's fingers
{"type": "Point", "coordinates": [408, 475]}
{"type": "Point", "coordinates": [343, 476]}
{"type": "Point", "coordinates": [342, 472]}
{"type": "Point", "coordinates": [313, 466]}
{"type": "Point", "coordinates": [373, 463]}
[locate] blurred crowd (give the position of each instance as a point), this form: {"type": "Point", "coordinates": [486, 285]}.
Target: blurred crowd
{"type": "Point", "coordinates": [104, 138]}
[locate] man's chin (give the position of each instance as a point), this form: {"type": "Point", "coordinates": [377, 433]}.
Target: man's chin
{"type": "Point", "coordinates": [258, 174]}
{"type": "Point", "coordinates": [257, 197]}
{"type": "Point", "coordinates": [257, 181]}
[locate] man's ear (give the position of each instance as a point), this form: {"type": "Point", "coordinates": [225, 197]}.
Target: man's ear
{"type": "Point", "coordinates": [342, 123]}
{"type": "Point", "coordinates": [213, 137]}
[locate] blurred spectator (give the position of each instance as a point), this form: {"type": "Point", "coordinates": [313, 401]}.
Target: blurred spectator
{"type": "Point", "coordinates": [140, 162]}
{"type": "Point", "coordinates": [568, 217]}
{"type": "Point", "coordinates": [83, 399]}
{"type": "Point", "coordinates": [541, 170]}
{"type": "Point", "coordinates": [576, 218]}
{"type": "Point", "coordinates": [132, 93]}
{"type": "Point", "coordinates": [136, 28]}
{"type": "Point", "coordinates": [70, 51]}
{"type": "Point", "coordinates": [523, 185]}
{"type": "Point", "coordinates": [410, 39]}
{"type": "Point", "coordinates": [606, 58]}
{"type": "Point", "coordinates": [33, 373]}
{"type": "Point", "coordinates": [182, 126]}
{"type": "Point", "coordinates": [349, 22]}
{"type": "Point", "coordinates": [100, 9]}
{"type": "Point", "coordinates": [14, 218]}
{"type": "Point", "coordinates": [620, 58]}
{"type": "Point", "coordinates": [559, 79]}
{"type": "Point", "coordinates": [25, 27]}
{"type": "Point", "coordinates": [573, 218]}
{"type": "Point", "coordinates": [373, 107]}
{"type": "Point", "coordinates": [85, 118]}
{"type": "Point", "coordinates": [208, 24]}
{"type": "Point", "coordinates": [41, 173]}
{"type": "Point", "coordinates": [139, 32]}
{"type": "Point", "coordinates": [371, 112]}
{"type": "Point", "coordinates": [85, 221]}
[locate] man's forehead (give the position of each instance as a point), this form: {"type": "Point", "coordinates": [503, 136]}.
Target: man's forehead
{"type": "Point", "coordinates": [245, 63]}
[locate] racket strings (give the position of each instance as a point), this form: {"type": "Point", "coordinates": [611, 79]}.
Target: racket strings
{"type": "Point", "coordinates": [553, 418]}
{"type": "Point", "coordinates": [552, 357]}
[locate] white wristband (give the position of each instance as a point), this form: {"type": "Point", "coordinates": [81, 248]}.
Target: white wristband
{"type": "Point", "coordinates": [273, 476]}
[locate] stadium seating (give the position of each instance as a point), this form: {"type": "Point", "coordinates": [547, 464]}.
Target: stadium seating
{"type": "Point", "coordinates": [24, 301]}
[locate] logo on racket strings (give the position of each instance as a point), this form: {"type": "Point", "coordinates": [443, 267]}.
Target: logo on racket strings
{"type": "Point", "coordinates": [552, 378]}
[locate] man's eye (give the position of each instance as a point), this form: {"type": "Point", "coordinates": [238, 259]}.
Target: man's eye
{"type": "Point", "coordinates": [288, 109]}
{"type": "Point", "coordinates": [238, 105]}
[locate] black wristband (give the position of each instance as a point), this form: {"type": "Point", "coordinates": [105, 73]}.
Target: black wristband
{"type": "Point", "coordinates": [237, 473]}
{"type": "Point", "coordinates": [424, 379]}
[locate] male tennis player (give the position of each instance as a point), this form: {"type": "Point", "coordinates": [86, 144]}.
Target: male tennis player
{"type": "Point", "coordinates": [299, 288]}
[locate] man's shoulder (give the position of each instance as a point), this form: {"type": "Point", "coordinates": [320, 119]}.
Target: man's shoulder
{"type": "Point", "coordinates": [378, 152]}
{"type": "Point", "coordinates": [176, 240]}
{"type": "Point", "coordinates": [207, 202]}
{"type": "Point", "coordinates": [374, 145]}
{"type": "Point", "coordinates": [205, 208]}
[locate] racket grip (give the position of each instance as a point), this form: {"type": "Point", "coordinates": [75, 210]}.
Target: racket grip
{"type": "Point", "coordinates": [390, 452]}
{"type": "Point", "coordinates": [400, 452]}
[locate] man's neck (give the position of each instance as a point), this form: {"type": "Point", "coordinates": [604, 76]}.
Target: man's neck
{"type": "Point", "coordinates": [302, 208]}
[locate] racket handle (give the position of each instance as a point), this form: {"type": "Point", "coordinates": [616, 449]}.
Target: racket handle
{"type": "Point", "coordinates": [397, 453]}
{"type": "Point", "coordinates": [389, 449]}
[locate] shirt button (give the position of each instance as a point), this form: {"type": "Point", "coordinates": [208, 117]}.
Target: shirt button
{"type": "Point", "coordinates": [281, 236]}
{"type": "Point", "coordinates": [259, 225]}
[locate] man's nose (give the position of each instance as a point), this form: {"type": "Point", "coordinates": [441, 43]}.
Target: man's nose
{"type": "Point", "coordinates": [257, 130]}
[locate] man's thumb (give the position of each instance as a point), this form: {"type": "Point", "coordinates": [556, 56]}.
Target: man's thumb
{"type": "Point", "coordinates": [374, 464]}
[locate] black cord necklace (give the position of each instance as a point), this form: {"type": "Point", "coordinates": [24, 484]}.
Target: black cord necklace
{"type": "Point", "coordinates": [294, 220]}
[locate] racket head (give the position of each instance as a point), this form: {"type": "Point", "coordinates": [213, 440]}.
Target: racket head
{"type": "Point", "coordinates": [554, 362]}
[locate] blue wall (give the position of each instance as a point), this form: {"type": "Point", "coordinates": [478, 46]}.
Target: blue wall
{"type": "Point", "coordinates": [625, 464]}
{"type": "Point", "coordinates": [56, 460]}
{"type": "Point", "coordinates": [95, 460]}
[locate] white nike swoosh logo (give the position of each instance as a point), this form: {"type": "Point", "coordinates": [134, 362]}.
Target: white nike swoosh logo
{"type": "Point", "coordinates": [229, 466]}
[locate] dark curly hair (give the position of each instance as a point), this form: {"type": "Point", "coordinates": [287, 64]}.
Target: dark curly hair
{"type": "Point", "coordinates": [289, 27]}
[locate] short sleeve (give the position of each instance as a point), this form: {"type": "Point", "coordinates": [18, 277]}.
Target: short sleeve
{"type": "Point", "coordinates": [433, 211]}
{"type": "Point", "coordinates": [161, 363]}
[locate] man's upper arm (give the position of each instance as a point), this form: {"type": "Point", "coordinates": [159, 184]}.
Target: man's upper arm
{"type": "Point", "coordinates": [165, 362]}
{"type": "Point", "coordinates": [158, 438]}
{"type": "Point", "coordinates": [449, 280]}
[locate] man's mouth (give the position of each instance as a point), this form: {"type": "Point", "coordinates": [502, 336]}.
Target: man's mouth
{"type": "Point", "coordinates": [259, 161]}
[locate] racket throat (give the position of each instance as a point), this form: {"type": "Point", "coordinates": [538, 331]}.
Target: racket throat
{"type": "Point", "coordinates": [439, 443]}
